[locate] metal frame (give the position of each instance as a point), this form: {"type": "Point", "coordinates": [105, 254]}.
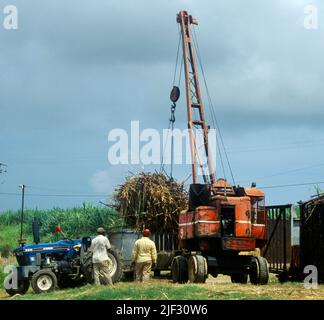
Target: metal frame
{"type": "Point", "coordinates": [194, 98]}
{"type": "Point", "coordinates": [279, 230]}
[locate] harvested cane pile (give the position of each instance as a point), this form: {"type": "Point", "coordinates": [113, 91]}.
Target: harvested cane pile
{"type": "Point", "coordinates": [151, 200]}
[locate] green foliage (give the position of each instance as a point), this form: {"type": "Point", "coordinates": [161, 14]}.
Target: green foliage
{"type": "Point", "coordinates": [125, 291]}
{"type": "Point", "coordinates": [159, 292]}
{"type": "Point", "coordinates": [2, 276]}
{"type": "Point", "coordinates": [5, 250]}
{"type": "Point", "coordinates": [75, 222]}
{"type": "Point", "coordinates": [9, 236]}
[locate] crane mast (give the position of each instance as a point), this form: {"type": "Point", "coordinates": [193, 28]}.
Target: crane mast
{"type": "Point", "coordinates": [194, 100]}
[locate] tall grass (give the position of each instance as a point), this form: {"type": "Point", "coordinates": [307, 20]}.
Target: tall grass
{"type": "Point", "coordinates": [2, 277]}
{"type": "Point", "coordinates": [75, 222]}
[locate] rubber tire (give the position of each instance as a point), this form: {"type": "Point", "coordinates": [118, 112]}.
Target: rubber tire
{"type": "Point", "coordinates": [239, 278]}
{"type": "Point", "coordinates": [23, 286]}
{"type": "Point", "coordinates": [259, 274]}
{"type": "Point", "coordinates": [88, 266]}
{"type": "Point", "coordinates": [36, 276]}
{"type": "Point", "coordinates": [197, 269]}
{"type": "Point", "coordinates": [179, 271]}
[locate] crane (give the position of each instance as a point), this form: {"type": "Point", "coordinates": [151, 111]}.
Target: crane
{"type": "Point", "coordinates": [224, 228]}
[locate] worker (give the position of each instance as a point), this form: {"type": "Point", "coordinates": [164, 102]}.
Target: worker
{"type": "Point", "coordinates": [144, 257]}
{"type": "Point", "coordinates": [101, 263]}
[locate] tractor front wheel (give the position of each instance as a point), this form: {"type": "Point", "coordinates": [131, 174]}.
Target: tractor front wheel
{"type": "Point", "coordinates": [44, 281]}
{"type": "Point", "coordinates": [23, 286]}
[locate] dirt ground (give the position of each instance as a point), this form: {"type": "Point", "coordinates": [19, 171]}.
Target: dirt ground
{"type": "Point", "coordinates": [274, 290]}
{"type": "Point", "coordinates": [218, 288]}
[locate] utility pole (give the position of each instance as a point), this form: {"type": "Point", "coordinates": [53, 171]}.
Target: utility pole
{"type": "Point", "coordinates": [21, 240]}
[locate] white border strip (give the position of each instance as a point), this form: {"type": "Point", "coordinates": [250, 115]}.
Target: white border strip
{"type": "Point", "coordinates": [198, 221]}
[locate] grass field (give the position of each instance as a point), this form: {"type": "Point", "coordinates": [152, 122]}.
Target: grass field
{"type": "Point", "coordinates": [75, 222]}
{"type": "Point", "coordinates": [219, 288]}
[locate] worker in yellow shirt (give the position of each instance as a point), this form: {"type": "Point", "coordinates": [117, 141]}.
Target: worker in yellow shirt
{"type": "Point", "coordinates": [144, 256]}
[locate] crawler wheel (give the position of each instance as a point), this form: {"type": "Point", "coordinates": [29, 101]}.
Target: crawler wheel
{"type": "Point", "coordinates": [259, 273]}
{"type": "Point", "coordinates": [44, 281]}
{"type": "Point", "coordinates": [197, 269]}
{"type": "Point", "coordinates": [180, 269]}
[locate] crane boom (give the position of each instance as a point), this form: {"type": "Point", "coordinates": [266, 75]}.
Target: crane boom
{"type": "Point", "coordinates": [194, 99]}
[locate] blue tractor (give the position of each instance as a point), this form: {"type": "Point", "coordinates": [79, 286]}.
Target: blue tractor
{"type": "Point", "coordinates": [62, 264]}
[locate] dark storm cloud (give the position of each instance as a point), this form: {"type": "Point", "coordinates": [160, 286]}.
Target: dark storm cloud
{"type": "Point", "coordinates": [82, 57]}
{"type": "Point", "coordinates": [75, 70]}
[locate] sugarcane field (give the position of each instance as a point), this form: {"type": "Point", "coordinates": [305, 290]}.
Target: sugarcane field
{"type": "Point", "coordinates": [169, 152]}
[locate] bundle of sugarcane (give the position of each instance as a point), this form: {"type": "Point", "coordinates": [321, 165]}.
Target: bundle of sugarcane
{"type": "Point", "coordinates": [151, 200]}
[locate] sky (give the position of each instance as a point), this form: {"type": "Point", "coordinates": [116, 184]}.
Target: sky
{"type": "Point", "coordinates": [73, 71]}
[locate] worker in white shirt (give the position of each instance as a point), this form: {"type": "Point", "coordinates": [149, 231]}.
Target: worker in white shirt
{"type": "Point", "coordinates": [101, 263]}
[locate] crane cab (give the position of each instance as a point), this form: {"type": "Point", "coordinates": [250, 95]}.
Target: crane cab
{"type": "Point", "coordinates": [235, 216]}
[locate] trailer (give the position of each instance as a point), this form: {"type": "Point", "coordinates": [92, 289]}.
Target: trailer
{"type": "Point", "coordinates": [282, 247]}
{"type": "Point", "coordinates": [312, 235]}
{"type": "Point", "coordinates": [124, 240]}
{"type": "Point", "coordinates": [295, 239]}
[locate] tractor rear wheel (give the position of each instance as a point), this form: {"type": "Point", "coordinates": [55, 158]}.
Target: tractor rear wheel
{"type": "Point", "coordinates": [43, 281]}
{"type": "Point", "coordinates": [87, 267]}
{"type": "Point", "coordinates": [115, 262]}
{"type": "Point", "coordinates": [259, 273]}
{"type": "Point", "coordinates": [197, 269]}
{"type": "Point", "coordinates": [239, 278]}
{"type": "Point", "coordinates": [179, 269]}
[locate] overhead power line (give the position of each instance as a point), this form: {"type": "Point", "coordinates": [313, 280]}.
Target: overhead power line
{"type": "Point", "coordinates": [106, 195]}
{"type": "Point", "coordinates": [292, 185]}
{"type": "Point", "coordinates": [55, 195]}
